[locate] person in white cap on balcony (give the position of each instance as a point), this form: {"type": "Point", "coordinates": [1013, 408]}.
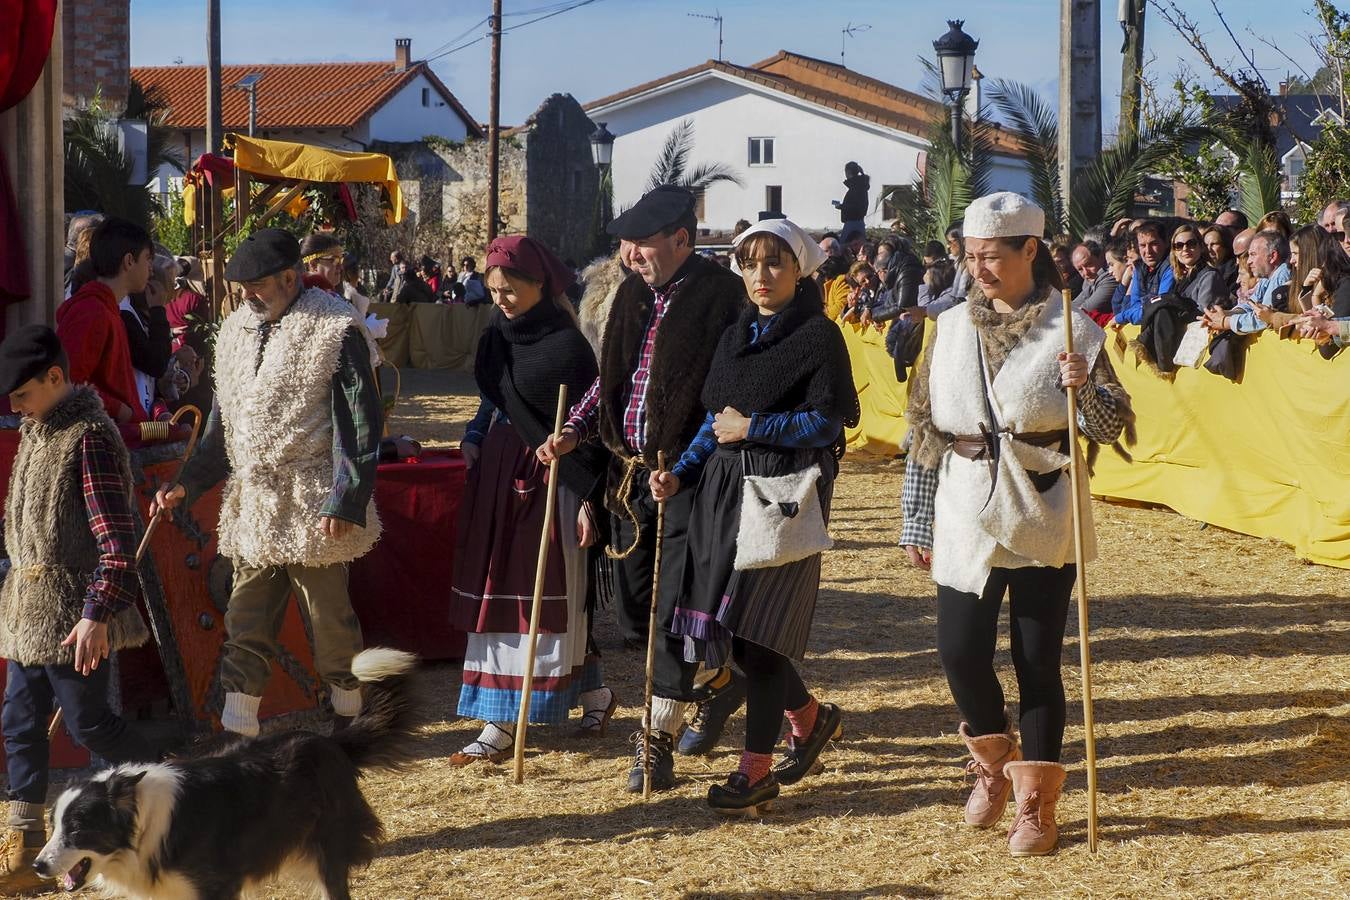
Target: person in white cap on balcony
{"type": "Point", "coordinates": [988, 506]}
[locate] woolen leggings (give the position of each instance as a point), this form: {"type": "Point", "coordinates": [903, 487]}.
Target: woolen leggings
{"type": "Point", "coordinates": [1038, 604]}
{"type": "Point", "coordinates": [772, 688]}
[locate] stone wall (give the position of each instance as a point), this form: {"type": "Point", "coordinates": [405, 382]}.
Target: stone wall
{"type": "Point", "coordinates": [563, 182]}
{"type": "Point", "coordinates": [548, 187]}
{"type": "Point", "coordinates": [97, 43]}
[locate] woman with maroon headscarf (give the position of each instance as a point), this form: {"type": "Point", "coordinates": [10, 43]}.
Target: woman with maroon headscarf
{"type": "Point", "coordinates": [532, 346]}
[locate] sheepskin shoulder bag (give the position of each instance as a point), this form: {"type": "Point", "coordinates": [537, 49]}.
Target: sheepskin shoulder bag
{"type": "Point", "coordinates": [781, 519]}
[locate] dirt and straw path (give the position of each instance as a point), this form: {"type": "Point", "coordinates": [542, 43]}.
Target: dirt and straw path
{"type": "Point", "coordinates": [1222, 682]}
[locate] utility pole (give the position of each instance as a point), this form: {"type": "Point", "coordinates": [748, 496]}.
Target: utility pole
{"type": "Point", "coordinates": [214, 132]}
{"type": "Point", "coordinates": [1131, 15]}
{"type": "Point", "coordinates": [1080, 89]}
{"type": "Point", "coordinates": [494, 120]}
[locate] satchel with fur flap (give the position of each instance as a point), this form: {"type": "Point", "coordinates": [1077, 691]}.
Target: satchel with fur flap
{"type": "Point", "coordinates": [782, 520]}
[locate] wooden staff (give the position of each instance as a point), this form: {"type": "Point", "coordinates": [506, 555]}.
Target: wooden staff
{"type": "Point", "coordinates": [1084, 652]}
{"type": "Point", "coordinates": [651, 641]}
{"type": "Point", "coordinates": [532, 642]}
{"type": "Point", "coordinates": [154, 519]}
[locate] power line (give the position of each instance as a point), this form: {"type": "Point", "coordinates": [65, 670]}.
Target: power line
{"type": "Point", "coordinates": [461, 36]}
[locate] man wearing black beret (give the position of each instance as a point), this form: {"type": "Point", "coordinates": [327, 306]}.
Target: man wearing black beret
{"type": "Point", "coordinates": [70, 597]}
{"type": "Point", "coordinates": [663, 327]}
{"type": "Point", "coordinates": [295, 434]}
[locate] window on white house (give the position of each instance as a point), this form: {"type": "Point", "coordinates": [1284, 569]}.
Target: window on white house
{"type": "Point", "coordinates": [888, 210]}
{"type": "Point", "coordinates": [773, 198]}
{"type": "Point", "coordinates": [426, 96]}
{"type": "Point", "coordinates": [761, 151]}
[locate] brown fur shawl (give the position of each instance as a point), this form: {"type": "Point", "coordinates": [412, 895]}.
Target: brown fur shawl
{"type": "Point", "coordinates": [707, 303]}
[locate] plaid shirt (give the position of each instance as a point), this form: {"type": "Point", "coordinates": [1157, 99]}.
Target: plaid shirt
{"type": "Point", "coordinates": [1099, 419]}
{"type": "Point", "coordinates": [114, 585]}
{"type": "Point", "coordinates": [583, 417]}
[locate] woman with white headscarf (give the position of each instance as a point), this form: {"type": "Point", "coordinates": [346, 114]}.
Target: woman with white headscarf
{"type": "Point", "coordinates": [779, 393]}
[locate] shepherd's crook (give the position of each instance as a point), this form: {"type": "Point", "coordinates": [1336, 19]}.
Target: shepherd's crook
{"type": "Point", "coordinates": [532, 642]}
{"type": "Point", "coordinates": [1085, 654]}
{"type": "Point", "coordinates": [651, 641]}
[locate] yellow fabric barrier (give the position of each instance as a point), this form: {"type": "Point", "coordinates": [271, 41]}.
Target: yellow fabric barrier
{"type": "Point", "coordinates": [432, 335]}
{"type": "Point", "coordinates": [1268, 457]}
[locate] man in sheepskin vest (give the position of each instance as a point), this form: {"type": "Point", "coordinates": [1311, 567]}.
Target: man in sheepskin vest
{"type": "Point", "coordinates": [664, 324]}
{"type": "Point", "coordinates": [69, 600]}
{"type": "Point", "coordinates": [295, 434]}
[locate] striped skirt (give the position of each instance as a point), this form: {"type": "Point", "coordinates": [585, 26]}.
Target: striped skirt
{"type": "Point", "coordinates": [496, 553]}
{"type": "Point", "coordinates": [769, 607]}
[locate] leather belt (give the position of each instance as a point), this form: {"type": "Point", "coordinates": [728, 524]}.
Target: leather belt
{"type": "Point", "coordinates": [980, 446]}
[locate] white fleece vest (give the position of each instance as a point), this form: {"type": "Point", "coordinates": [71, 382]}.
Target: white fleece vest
{"type": "Point", "coordinates": [1027, 399]}
{"type": "Point", "coordinates": [278, 424]}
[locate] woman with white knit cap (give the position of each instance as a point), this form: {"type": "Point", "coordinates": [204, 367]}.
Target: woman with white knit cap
{"type": "Point", "coordinates": [779, 394]}
{"type": "Point", "coordinates": [988, 505]}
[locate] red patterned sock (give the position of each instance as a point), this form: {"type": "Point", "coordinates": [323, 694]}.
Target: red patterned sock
{"type": "Point", "coordinates": [803, 720]}
{"type": "Point", "coordinates": [756, 766]}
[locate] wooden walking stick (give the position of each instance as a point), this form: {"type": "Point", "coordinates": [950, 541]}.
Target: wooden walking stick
{"type": "Point", "coordinates": [532, 642]}
{"type": "Point", "coordinates": [651, 642]}
{"type": "Point", "coordinates": [1084, 652]}
{"type": "Point", "coordinates": [154, 520]}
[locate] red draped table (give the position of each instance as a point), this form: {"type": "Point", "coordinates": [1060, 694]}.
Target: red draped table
{"type": "Point", "coordinates": [401, 588]}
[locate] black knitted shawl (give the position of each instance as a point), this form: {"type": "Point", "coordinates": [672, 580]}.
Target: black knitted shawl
{"type": "Point", "coordinates": [801, 363]}
{"type": "Point", "coordinates": [520, 364]}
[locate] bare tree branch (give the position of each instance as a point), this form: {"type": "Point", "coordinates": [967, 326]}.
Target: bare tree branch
{"type": "Point", "coordinates": [1247, 56]}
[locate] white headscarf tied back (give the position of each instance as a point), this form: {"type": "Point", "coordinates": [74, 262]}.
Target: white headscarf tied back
{"type": "Point", "coordinates": [804, 247]}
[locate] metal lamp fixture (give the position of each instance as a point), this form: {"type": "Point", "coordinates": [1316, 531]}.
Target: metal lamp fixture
{"type": "Point", "coordinates": [956, 65]}
{"type": "Point", "coordinates": [249, 84]}
{"type": "Point", "coordinates": [602, 146]}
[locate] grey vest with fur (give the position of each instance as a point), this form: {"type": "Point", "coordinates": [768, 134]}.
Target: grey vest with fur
{"type": "Point", "coordinates": [278, 420]}
{"type": "Point", "coordinates": [51, 547]}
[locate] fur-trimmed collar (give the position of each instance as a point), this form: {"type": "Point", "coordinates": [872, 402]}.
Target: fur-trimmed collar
{"type": "Point", "coordinates": [80, 405]}
{"type": "Point", "coordinates": [1000, 332]}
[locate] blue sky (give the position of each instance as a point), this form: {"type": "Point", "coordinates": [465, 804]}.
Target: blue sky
{"type": "Point", "coordinates": [613, 44]}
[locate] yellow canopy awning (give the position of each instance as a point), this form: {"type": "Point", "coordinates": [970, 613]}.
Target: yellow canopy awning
{"type": "Point", "coordinates": [302, 162]}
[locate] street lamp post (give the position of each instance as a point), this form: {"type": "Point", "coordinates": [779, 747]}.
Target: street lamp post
{"type": "Point", "coordinates": [249, 84]}
{"type": "Point", "coordinates": [956, 65]}
{"type": "Point", "coordinates": [602, 153]}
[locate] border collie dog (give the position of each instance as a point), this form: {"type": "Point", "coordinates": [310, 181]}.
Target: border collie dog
{"type": "Point", "coordinates": [247, 810]}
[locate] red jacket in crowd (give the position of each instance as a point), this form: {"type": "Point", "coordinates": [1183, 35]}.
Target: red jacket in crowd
{"type": "Point", "coordinates": [90, 327]}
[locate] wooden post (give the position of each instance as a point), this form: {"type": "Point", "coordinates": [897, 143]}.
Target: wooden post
{"type": "Point", "coordinates": [494, 121]}
{"type": "Point", "coordinates": [1084, 652]}
{"type": "Point", "coordinates": [214, 130]}
{"type": "Point", "coordinates": [532, 641]}
{"type": "Point", "coordinates": [1080, 90]}
{"type": "Point", "coordinates": [1132, 68]}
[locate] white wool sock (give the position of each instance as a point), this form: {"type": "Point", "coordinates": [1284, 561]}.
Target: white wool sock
{"type": "Point", "coordinates": [596, 700]}
{"type": "Point", "coordinates": [345, 702]}
{"type": "Point", "coordinates": [497, 735]}
{"type": "Point", "coordinates": [240, 714]}
{"type": "Point", "coordinates": [667, 715]}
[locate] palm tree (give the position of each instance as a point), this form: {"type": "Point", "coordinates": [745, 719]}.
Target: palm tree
{"type": "Point", "coordinates": [1104, 190]}
{"type": "Point", "coordinates": [672, 166]}
{"type": "Point", "coordinates": [98, 169]}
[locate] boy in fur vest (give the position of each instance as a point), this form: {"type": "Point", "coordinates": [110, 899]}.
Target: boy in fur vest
{"type": "Point", "coordinates": [69, 599]}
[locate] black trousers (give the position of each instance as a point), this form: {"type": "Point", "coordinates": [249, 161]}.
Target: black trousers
{"type": "Point", "coordinates": [674, 678]}
{"type": "Point", "coordinates": [773, 687]}
{"type": "Point", "coordinates": [30, 692]}
{"type": "Point", "coordinates": [1038, 605]}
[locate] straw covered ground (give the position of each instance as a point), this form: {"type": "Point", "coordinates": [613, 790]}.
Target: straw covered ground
{"type": "Point", "coordinates": [1222, 681]}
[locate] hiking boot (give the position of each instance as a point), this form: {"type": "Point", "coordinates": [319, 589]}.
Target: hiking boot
{"type": "Point", "coordinates": [989, 754]}
{"type": "Point", "coordinates": [17, 855]}
{"type": "Point", "coordinates": [800, 758]}
{"type": "Point", "coordinates": [1036, 786]}
{"type": "Point", "coordinates": [738, 797]}
{"type": "Point", "coordinates": [663, 762]}
{"type": "Point", "coordinates": [710, 717]}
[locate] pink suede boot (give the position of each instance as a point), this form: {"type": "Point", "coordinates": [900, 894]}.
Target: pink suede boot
{"type": "Point", "coordinates": [1036, 786]}
{"type": "Point", "coordinates": [990, 753]}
